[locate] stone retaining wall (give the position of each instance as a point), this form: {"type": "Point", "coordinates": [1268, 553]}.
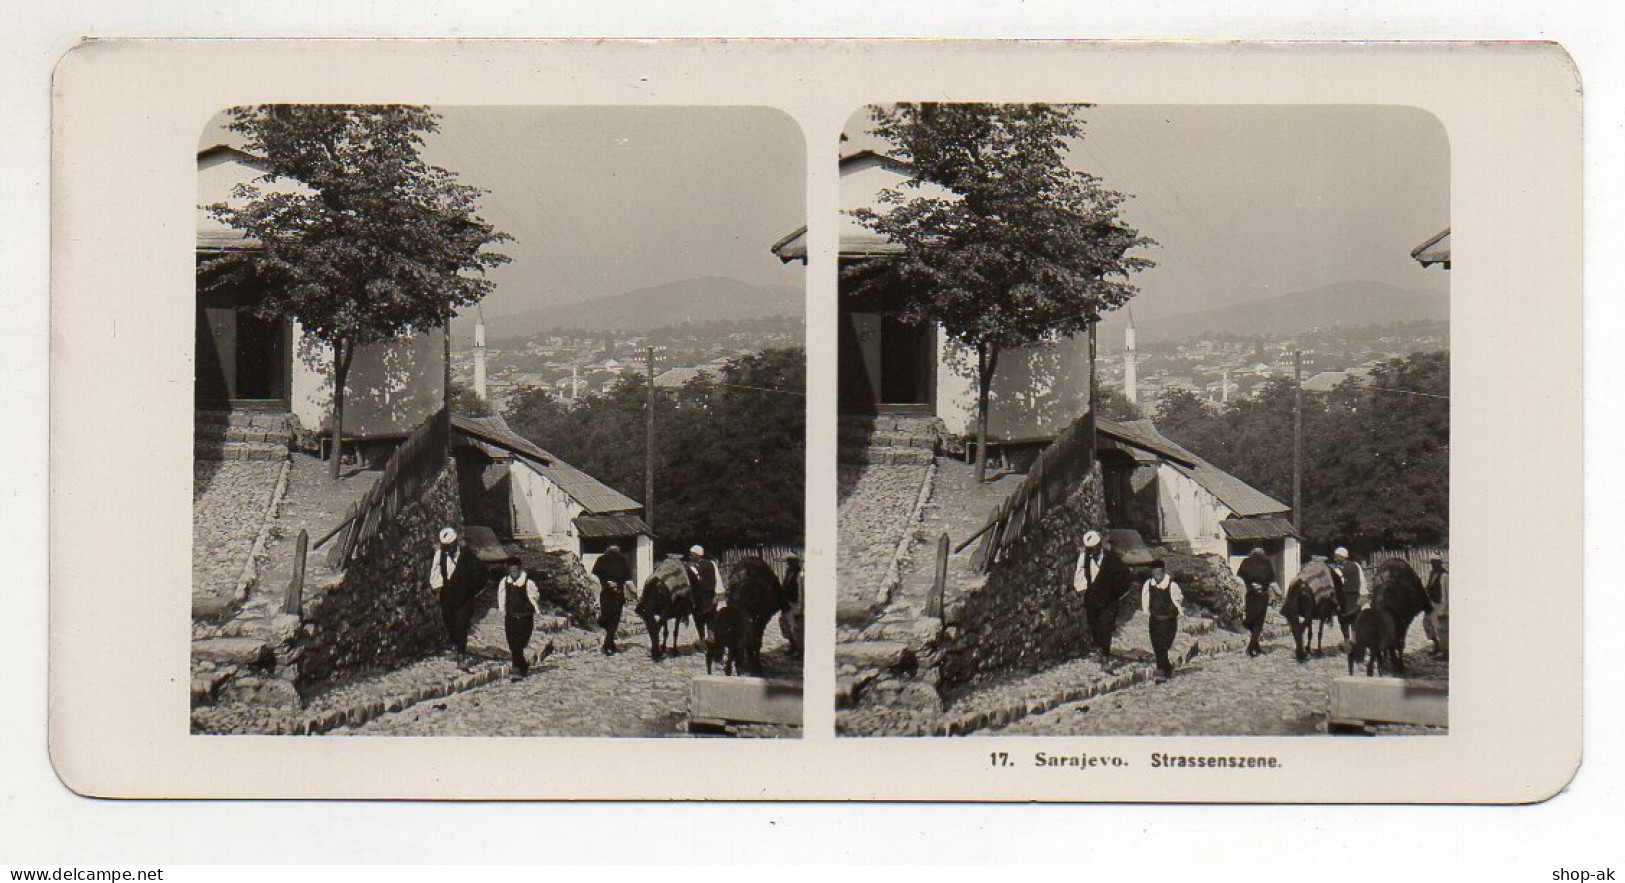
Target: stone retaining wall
{"type": "Point", "coordinates": [380, 612]}
{"type": "Point", "coordinates": [1025, 615]}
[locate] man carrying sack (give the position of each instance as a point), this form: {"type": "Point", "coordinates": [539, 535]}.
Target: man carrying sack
{"type": "Point", "coordinates": [614, 582]}
{"type": "Point", "coordinates": [1258, 575]}
{"type": "Point", "coordinates": [1103, 579]}
{"type": "Point", "coordinates": [456, 576]}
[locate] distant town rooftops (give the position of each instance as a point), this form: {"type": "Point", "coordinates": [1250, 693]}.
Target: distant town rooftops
{"type": "Point", "coordinates": [1325, 381]}
{"type": "Point", "coordinates": [678, 376]}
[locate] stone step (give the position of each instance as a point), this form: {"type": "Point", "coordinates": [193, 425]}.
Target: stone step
{"type": "Point", "coordinates": [915, 425]}
{"type": "Point", "coordinates": [275, 420]}
{"type": "Point", "coordinates": [887, 454]}
{"type": "Point", "coordinates": [219, 432]}
{"type": "Point", "coordinates": [239, 450]}
{"type": "Point", "coordinates": [871, 655]}
{"type": "Point", "coordinates": [232, 651]}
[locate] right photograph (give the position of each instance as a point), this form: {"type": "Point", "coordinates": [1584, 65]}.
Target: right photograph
{"type": "Point", "coordinates": [1144, 420]}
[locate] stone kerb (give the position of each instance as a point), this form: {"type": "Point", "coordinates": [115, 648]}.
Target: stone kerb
{"type": "Point", "coordinates": [1025, 616]}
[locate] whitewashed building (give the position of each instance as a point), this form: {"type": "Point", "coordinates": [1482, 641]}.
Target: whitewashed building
{"type": "Point", "coordinates": [1172, 496]}
{"type": "Point", "coordinates": [523, 492]}
{"type": "Point", "coordinates": [889, 366]}
{"type": "Point", "coordinates": [244, 361]}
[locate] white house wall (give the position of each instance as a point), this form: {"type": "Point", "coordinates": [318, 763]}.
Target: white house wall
{"type": "Point", "coordinates": [1189, 513]}
{"type": "Point", "coordinates": [548, 511]}
{"type": "Point", "coordinates": [1037, 391]}
{"type": "Point", "coordinates": [392, 387]}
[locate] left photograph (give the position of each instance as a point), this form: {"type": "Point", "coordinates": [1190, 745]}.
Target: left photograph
{"type": "Point", "coordinates": [500, 423]}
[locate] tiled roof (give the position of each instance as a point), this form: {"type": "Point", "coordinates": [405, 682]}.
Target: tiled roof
{"type": "Point", "coordinates": [1267, 528]}
{"type": "Point", "coordinates": [1436, 250]}
{"type": "Point", "coordinates": [1238, 496]}
{"type": "Point", "coordinates": [1135, 434]}
{"type": "Point", "coordinates": [610, 526]}
{"type": "Point", "coordinates": [593, 495]}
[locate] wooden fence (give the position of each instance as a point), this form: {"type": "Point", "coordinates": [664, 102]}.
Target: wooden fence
{"type": "Point", "coordinates": [773, 555]}
{"type": "Point", "coordinates": [1053, 475]}
{"type": "Point", "coordinates": [410, 469]}
{"type": "Point", "coordinates": [1416, 556]}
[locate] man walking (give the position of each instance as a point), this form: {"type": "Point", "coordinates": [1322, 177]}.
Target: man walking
{"type": "Point", "coordinates": [1103, 579]}
{"type": "Point", "coordinates": [1162, 602]}
{"type": "Point", "coordinates": [707, 579]}
{"type": "Point", "coordinates": [792, 618]}
{"type": "Point", "coordinates": [614, 582]}
{"type": "Point", "coordinates": [455, 575]}
{"type": "Point", "coordinates": [1353, 588]}
{"type": "Point", "coordinates": [1437, 622]}
{"type": "Point", "coordinates": [1258, 576]}
{"type": "Point", "coordinates": [518, 600]}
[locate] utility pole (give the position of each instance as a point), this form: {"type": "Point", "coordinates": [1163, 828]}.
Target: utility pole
{"type": "Point", "coordinates": [649, 448]}
{"type": "Point", "coordinates": [1297, 439]}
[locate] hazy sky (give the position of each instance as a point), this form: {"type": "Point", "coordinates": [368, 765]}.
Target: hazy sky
{"type": "Point", "coordinates": [604, 200]}
{"type": "Point", "coordinates": [1249, 201]}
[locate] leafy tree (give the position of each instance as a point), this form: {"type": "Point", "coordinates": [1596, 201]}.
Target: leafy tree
{"type": "Point", "coordinates": [1023, 250]}
{"type": "Point", "coordinates": [1376, 452]}
{"type": "Point", "coordinates": [1113, 405]}
{"type": "Point", "coordinates": [465, 402]}
{"type": "Point", "coordinates": [377, 245]}
{"type": "Point", "coordinates": [729, 454]}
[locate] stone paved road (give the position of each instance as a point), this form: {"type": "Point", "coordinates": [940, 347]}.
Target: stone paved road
{"type": "Point", "coordinates": [585, 694]}
{"type": "Point", "coordinates": [228, 505]}
{"type": "Point", "coordinates": [872, 518]}
{"type": "Point", "coordinates": [1219, 696]}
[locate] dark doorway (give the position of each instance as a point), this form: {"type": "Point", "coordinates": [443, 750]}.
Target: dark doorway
{"type": "Point", "coordinates": [243, 359]}
{"type": "Point", "coordinates": [885, 363]}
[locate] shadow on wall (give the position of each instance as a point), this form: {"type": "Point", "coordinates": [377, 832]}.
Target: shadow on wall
{"type": "Point", "coordinates": [392, 385]}
{"type": "Point", "coordinates": [1037, 390]}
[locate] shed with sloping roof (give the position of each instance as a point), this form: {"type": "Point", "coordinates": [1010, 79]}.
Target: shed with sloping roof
{"type": "Point", "coordinates": [525, 492]}
{"type": "Point", "coordinates": [1160, 488]}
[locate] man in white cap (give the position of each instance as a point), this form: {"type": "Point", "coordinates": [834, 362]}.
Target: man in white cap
{"type": "Point", "coordinates": [707, 579]}
{"type": "Point", "coordinates": [1353, 588]}
{"type": "Point", "coordinates": [455, 575]}
{"type": "Point", "coordinates": [1103, 579]}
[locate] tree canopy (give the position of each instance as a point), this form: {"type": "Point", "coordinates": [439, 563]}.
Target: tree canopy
{"type": "Point", "coordinates": [376, 245]}
{"type": "Point", "coordinates": [730, 450]}
{"type": "Point", "coordinates": [1020, 250]}
{"type": "Point", "coordinates": [1376, 452]}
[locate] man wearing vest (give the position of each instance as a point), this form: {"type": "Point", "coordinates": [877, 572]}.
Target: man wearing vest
{"type": "Point", "coordinates": [457, 577]}
{"type": "Point", "coordinates": [1163, 602]}
{"type": "Point", "coordinates": [1436, 623]}
{"type": "Point", "coordinates": [518, 600]}
{"type": "Point", "coordinates": [1354, 590]}
{"type": "Point", "coordinates": [614, 582]}
{"type": "Point", "coordinates": [708, 584]}
{"type": "Point", "coordinates": [1103, 579]}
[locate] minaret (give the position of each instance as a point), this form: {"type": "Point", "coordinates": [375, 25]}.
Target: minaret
{"type": "Point", "coordinates": [1131, 369]}
{"type": "Point", "coordinates": [1224, 395]}
{"type": "Point", "coordinates": [575, 382]}
{"type": "Point", "coordinates": [479, 354]}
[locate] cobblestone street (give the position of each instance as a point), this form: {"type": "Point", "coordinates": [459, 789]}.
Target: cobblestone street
{"type": "Point", "coordinates": [583, 694]}
{"type": "Point", "coordinates": [1220, 695]}
{"type": "Point", "coordinates": [873, 516]}
{"type": "Point", "coordinates": [228, 504]}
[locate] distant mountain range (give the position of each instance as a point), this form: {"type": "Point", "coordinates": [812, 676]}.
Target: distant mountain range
{"type": "Point", "coordinates": [706, 299]}
{"type": "Point", "coordinates": [1345, 303]}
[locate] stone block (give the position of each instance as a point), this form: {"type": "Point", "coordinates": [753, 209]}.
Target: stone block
{"type": "Point", "coordinates": [235, 651]}
{"type": "Point", "coordinates": [1420, 701]}
{"type": "Point", "coordinates": [716, 700]}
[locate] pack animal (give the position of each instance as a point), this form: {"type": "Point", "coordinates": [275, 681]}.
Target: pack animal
{"type": "Point", "coordinates": [724, 642]}
{"type": "Point", "coordinates": [1398, 591]}
{"type": "Point", "coordinates": [667, 599]}
{"type": "Point", "coordinates": [755, 592]}
{"type": "Point", "coordinates": [1311, 598]}
{"type": "Point", "coordinates": [1374, 641]}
